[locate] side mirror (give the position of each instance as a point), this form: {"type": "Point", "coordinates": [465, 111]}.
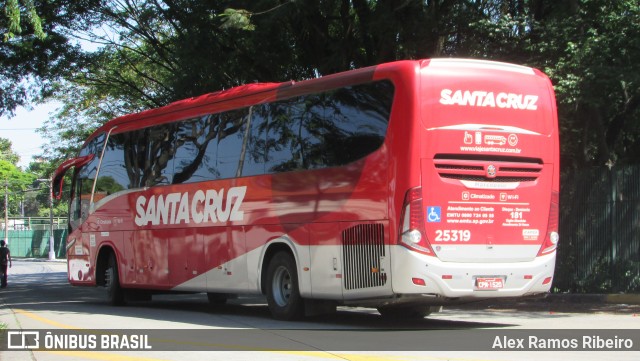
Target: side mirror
{"type": "Point", "coordinates": [58, 175]}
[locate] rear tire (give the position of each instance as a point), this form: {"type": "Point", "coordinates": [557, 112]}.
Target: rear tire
{"type": "Point", "coordinates": [115, 293]}
{"type": "Point", "coordinates": [283, 294]}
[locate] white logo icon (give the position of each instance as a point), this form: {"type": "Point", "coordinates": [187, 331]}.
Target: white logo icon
{"type": "Point", "coordinates": [468, 138]}
{"type": "Point", "coordinates": [513, 140]}
{"type": "Point", "coordinates": [22, 340]}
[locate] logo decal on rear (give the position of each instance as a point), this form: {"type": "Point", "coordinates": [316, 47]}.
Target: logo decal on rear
{"type": "Point", "coordinates": [491, 171]}
{"type": "Point", "coordinates": [479, 98]}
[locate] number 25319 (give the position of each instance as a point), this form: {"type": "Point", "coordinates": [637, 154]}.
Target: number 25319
{"type": "Point", "coordinates": [453, 235]}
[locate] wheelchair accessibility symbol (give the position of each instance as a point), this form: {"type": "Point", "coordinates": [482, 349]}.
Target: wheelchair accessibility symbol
{"type": "Point", "coordinates": [433, 214]}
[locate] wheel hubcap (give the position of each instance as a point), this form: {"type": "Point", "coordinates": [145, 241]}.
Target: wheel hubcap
{"type": "Point", "coordinates": [108, 278]}
{"type": "Point", "coordinates": [282, 286]}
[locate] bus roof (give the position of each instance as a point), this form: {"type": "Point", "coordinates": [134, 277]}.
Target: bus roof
{"type": "Point", "coordinates": [182, 109]}
{"type": "Point", "coordinates": [256, 93]}
{"type": "Point", "coordinates": [233, 98]}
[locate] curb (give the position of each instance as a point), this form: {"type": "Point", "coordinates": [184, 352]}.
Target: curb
{"type": "Point", "coordinates": [630, 299]}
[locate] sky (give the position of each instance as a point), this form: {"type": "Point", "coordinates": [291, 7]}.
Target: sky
{"type": "Point", "coordinates": [21, 130]}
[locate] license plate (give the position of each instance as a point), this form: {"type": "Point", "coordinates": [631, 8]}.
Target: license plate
{"type": "Point", "coordinates": [489, 283]}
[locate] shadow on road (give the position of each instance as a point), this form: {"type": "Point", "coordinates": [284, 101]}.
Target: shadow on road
{"type": "Point", "coordinates": [51, 292]}
{"type": "Point", "coordinates": [179, 322]}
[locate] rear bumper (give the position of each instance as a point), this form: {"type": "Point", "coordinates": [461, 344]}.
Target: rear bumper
{"type": "Point", "coordinates": [520, 278]}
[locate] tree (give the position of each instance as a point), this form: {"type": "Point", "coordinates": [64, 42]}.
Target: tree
{"type": "Point", "coordinates": [25, 194]}
{"type": "Point", "coordinates": [6, 153]}
{"type": "Point", "coordinates": [36, 199]}
{"type": "Point", "coordinates": [155, 52]}
{"type": "Point", "coordinates": [14, 18]}
{"type": "Point", "coordinates": [592, 56]}
{"type": "Point", "coordinates": [16, 182]}
{"type": "Point", "coordinates": [36, 47]}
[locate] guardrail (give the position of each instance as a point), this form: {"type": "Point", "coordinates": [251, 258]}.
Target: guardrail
{"type": "Point", "coordinates": [33, 223]}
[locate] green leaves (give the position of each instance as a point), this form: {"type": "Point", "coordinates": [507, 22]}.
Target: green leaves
{"type": "Point", "coordinates": [156, 52]}
{"type": "Point", "coordinates": [590, 56]}
{"type": "Point", "coordinates": [16, 182]}
{"type": "Point", "coordinates": [14, 14]}
{"type": "Point", "coordinates": [237, 19]}
{"type": "Point", "coordinates": [6, 153]}
{"type": "Point", "coordinates": [12, 10]}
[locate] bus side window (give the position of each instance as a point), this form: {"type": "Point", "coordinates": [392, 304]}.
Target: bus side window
{"type": "Point", "coordinates": [327, 129]}
{"type": "Point", "coordinates": [160, 155]}
{"type": "Point", "coordinates": [117, 172]}
{"type": "Point", "coordinates": [282, 144]}
{"type": "Point", "coordinates": [81, 200]}
{"type": "Point", "coordinates": [252, 155]}
{"type": "Point", "coordinates": [237, 150]}
{"type": "Point", "coordinates": [137, 159]}
{"type": "Point", "coordinates": [195, 150]}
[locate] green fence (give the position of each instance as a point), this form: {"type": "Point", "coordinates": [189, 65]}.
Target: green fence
{"type": "Point", "coordinates": [35, 243]}
{"type": "Point", "coordinates": [599, 249]}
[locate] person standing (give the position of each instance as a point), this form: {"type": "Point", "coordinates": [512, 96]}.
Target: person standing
{"type": "Point", "coordinates": [5, 260]}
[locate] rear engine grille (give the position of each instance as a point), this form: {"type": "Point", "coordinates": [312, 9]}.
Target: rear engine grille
{"type": "Point", "coordinates": [362, 248]}
{"type": "Point", "coordinates": [476, 168]}
{"type": "Point", "coordinates": [512, 169]}
{"type": "Point", "coordinates": [484, 179]}
{"type": "Point", "coordinates": [458, 167]}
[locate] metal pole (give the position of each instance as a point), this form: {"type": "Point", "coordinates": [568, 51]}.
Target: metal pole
{"type": "Point", "coordinates": [52, 251]}
{"type": "Point", "coordinates": [6, 212]}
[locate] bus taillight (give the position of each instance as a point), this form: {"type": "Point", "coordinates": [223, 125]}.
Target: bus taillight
{"type": "Point", "coordinates": [412, 232]}
{"type": "Point", "coordinates": [551, 240]}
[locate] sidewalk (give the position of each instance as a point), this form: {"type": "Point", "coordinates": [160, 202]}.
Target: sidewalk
{"type": "Point", "coordinates": [622, 304]}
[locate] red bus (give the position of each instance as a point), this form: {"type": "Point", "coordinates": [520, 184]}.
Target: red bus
{"type": "Point", "coordinates": [401, 186]}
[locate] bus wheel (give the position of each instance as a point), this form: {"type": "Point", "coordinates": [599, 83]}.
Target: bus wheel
{"type": "Point", "coordinates": [283, 295]}
{"type": "Point", "coordinates": [115, 293]}
{"type": "Point", "coordinates": [405, 312]}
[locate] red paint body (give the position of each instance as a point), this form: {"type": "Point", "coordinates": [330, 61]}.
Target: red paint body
{"type": "Point", "coordinates": [485, 166]}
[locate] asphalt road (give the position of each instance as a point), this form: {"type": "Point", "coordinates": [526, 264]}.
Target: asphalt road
{"type": "Point", "coordinates": [39, 298]}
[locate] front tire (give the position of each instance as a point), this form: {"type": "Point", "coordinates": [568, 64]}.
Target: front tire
{"type": "Point", "coordinates": [283, 294]}
{"type": "Point", "coordinates": [115, 293]}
